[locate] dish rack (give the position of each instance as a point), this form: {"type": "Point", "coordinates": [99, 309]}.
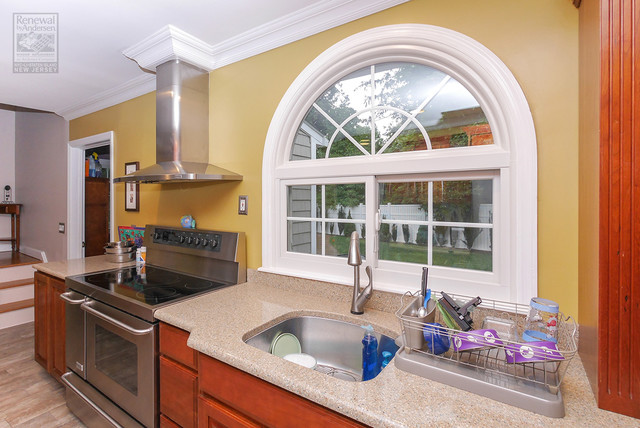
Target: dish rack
{"type": "Point", "coordinates": [491, 368]}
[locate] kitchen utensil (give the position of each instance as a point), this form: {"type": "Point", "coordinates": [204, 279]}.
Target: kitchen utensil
{"type": "Point", "coordinates": [302, 359]}
{"type": "Point", "coordinates": [505, 328]}
{"type": "Point", "coordinates": [285, 344]}
{"type": "Point", "coordinates": [422, 310]}
{"type": "Point", "coordinates": [542, 321]}
{"type": "Point", "coordinates": [518, 353]}
{"type": "Point", "coordinates": [412, 324]}
{"type": "Point", "coordinates": [119, 244]}
{"type": "Point", "coordinates": [460, 314]}
{"type": "Point", "coordinates": [118, 250]}
{"type": "Point", "coordinates": [423, 283]}
{"type": "Point", "coordinates": [436, 337]}
{"type": "Point", "coordinates": [120, 258]}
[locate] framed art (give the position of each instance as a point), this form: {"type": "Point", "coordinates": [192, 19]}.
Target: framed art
{"type": "Point", "coordinates": [132, 192]}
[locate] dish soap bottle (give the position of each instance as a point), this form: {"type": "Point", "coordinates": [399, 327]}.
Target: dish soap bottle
{"type": "Point", "coordinates": [369, 354]}
{"type": "Point", "coordinates": [386, 359]}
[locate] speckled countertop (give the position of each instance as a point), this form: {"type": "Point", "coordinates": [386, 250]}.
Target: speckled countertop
{"type": "Point", "coordinates": [71, 267]}
{"type": "Point", "coordinates": [219, 321]}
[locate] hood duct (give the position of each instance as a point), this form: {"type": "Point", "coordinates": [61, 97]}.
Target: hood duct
{"type": "Point", "coordinates": [182, 129]}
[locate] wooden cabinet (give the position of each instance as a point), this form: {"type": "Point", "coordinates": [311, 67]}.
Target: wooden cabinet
{"type": "Point", "coordinates": [262, 402]}
{"type": "Point", "coordinates": [178, 378]}
{"type": "Point", "coordinates": [197, 390]}
{"type": "Point", "coordinates": [49, 323]}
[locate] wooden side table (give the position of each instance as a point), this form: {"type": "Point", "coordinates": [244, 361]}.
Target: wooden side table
{"type": "Point", "coordinates": [14, 211]}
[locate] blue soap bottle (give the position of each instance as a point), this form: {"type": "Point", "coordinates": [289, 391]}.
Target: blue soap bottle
{"type": "Point", "coordinates": [369, 354]}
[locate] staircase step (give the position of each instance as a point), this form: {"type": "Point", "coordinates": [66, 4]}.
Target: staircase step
{"type": "Point", "coordinates": [16, 283]}
{"type": "Point", "coordinates": [14, 306]}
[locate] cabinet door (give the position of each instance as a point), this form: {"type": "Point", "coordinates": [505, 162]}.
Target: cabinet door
{"type": "Point", "coordinates": [57, 327]}
{"type": "Point", "coordinates": [262, 401]}
{"type": "Point", "coordinates": [41, 315]}
{"type": "Point", "coordinates": [213, 414]}
{"type": "Point", "coordinates": [178, 393]}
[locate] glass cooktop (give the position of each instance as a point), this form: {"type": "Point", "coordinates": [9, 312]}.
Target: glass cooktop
{"type": "Point", "coordinates": [150, 285]}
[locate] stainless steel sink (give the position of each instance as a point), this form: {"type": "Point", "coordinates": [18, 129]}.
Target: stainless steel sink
{"type": "Point", "coordinates": [336, 345]}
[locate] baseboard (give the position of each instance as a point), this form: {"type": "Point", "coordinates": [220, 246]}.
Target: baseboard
{"type": "Point", "coordinates": [38, 254]}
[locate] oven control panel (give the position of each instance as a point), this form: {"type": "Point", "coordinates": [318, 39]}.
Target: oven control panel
{"type": "Point", "coordinates": [188, 239]}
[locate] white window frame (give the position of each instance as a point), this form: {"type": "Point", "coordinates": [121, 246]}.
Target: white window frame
{"type": "Point", "coordinates": [513, 155]}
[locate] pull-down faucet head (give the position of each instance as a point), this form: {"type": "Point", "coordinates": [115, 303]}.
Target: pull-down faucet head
{"type": "Point", "coordinates": [354, 258]}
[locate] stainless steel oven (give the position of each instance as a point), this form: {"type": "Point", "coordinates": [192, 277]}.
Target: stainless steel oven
{"type": "Point", "coordinates": [111, 333]}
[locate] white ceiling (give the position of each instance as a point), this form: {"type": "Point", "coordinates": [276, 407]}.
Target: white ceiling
{"type": "Point", "coordinates": [93, 72]}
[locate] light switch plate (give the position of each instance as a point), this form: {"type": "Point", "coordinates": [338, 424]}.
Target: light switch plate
{"type": "Point", "coordinates": [242, 204]}
{"type": "Point", "coordinates": [61, 227]}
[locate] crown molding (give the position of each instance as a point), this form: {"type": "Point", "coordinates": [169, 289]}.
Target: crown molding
{"type": "Point", "coordinates": [130, 89]}
{"type": "Point", "coordinates": [296, 26]}
{"type": "Point", "coordinates": [171, 43]}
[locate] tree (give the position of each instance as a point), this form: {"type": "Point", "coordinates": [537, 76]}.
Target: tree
{"type": "Point", "coordinates": [422, 238]}
{"type": "Point", "coordinates": [385, 233]}
{"type": "Point", "coordinates": [349, 228]}
{"type": "Point", "coordinates": [470, 235]}
{"type": "Point", "coordinates": [394, 232]}
{"type": "Point", "coordinates": [340, 225]}
{"type": "Point", "coordinates": [405, 233]}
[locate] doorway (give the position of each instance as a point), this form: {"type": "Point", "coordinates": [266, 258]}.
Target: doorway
{"type": "Point", "coordinates": [96, 199]}
{"type": "Point", "coordinates": [79, 198]}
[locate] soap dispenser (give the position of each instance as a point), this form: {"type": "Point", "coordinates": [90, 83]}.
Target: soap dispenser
{"type": "Point", "coordinates": [369, 354]}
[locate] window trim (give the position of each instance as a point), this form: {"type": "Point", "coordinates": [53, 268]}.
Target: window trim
{"type": "Point", "coordinates": [489, 80]}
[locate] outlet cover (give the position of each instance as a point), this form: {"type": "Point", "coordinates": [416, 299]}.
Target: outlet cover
{"type": "Point", "coordinates": [61, 227]}
{"type": "Point", "coordinates": [242, 204]}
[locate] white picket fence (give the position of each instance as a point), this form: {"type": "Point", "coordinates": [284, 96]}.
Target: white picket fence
{"type": "Point", "coordinates": [398, 214]}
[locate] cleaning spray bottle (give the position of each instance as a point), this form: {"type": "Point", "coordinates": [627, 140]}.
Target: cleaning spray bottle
{"type": "Point", "coordinates": [369, 354]}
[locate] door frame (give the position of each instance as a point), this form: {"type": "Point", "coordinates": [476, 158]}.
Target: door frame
{"type": "Point", "coordinates": [75, 190]}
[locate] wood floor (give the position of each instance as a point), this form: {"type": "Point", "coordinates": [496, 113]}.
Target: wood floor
{"type": "Point", "coordinates": [29, 397]}
{"type": "Point", "coordinates": [13, 258]}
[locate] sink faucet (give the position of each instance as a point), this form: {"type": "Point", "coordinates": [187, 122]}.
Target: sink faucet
{"type": "Point", "coordinates": [354, 259]}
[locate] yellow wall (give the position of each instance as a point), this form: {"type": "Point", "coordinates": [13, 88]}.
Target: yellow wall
{"type": "Point", "coordinates": [537, 40]}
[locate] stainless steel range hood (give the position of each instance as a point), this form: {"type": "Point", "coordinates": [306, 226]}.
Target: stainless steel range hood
{"type": "Point", "coordinates": [182, 129]}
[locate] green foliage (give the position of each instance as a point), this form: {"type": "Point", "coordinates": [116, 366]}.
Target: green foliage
{"type": "Point", "coordinates": [394, 232]}
{"type": "Point", "coordinates": [405, 233]}
{"type": "Point", "coordinates": [470, 235]}
{"type": "Point", "coordinates": [345, 195]}
{"type": "Point", "coordinates": [340, 225]}
{"type": "Point", "coordinates": [422, 238]}
{"type": "Point", "coordinates": [349, 228]}
{"type": "Point", "coordinates": [385, 232]}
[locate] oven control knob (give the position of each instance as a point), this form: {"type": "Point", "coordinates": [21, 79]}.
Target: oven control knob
{"type": "Point", "coordinates": [156, 235]}
{"type": "Point", "coordinates": [197, 241]}
{"type": "Point", "coordinates": [181, 239]}
{"type": "Point", "coordinates": [205, 242]}
{"type": "Point", "coordinates": [214, 243]}
{"type": "Point", "coordinates": [189, 240]}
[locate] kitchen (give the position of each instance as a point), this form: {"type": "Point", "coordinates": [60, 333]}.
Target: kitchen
{"type": "Point", "coordinates": [541, 51]}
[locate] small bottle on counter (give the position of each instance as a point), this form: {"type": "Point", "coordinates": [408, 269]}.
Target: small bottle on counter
{"type": "Point", "coordinates": [369, 354]}
{"type": "Point", "coordinates": [141, 255]}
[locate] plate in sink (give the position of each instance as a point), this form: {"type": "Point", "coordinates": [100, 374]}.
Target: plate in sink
{"type": "Point", "coordinates": [285, 344]}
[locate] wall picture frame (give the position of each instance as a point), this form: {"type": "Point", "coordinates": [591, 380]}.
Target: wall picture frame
{"type": "Point", "coordinates": [132, 191]}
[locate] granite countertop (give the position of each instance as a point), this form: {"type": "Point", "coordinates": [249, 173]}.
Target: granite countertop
{"type": "Point", "coordinates": [65, 268]}
{"type": "Point", "coordinates": [219, 321]}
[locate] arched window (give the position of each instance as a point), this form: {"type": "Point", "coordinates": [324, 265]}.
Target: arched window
{"type": "Point", "coordinates": [419, 139]}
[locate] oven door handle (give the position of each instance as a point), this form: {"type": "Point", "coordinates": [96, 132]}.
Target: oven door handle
{"type": "Point", "coordinates": [138, 332]}
{"type": "Point", "coordinates": [67, 298]}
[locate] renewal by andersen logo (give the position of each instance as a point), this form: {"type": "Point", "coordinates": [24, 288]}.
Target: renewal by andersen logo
{"type": "Point", "coordinates": [35, 42]}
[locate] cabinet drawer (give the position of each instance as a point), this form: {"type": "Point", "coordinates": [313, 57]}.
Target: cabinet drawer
{"type": "Point", "coordinates": [213, 414]}
{"type": "Point", "coordinates": [178, 393]}
{"type": "Point", "coordinates": [173, 344]}
{"type": "Point", "coordinates": [263, 402]}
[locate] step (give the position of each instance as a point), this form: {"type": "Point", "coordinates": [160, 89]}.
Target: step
{"type": "Point", "coordinates": [17, 293]}
{"type": "Point", "coordinates": [15, 273]}
{"type": "Point", "coordinates": [14, 306]}
{"type": "Point", "coordinates": [17, 317]}
{"type": "Point", "coordinates": [16, 283]}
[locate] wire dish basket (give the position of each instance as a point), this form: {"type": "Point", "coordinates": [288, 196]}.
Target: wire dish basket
{"type": "Point", "coordinates": [492, 350]}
